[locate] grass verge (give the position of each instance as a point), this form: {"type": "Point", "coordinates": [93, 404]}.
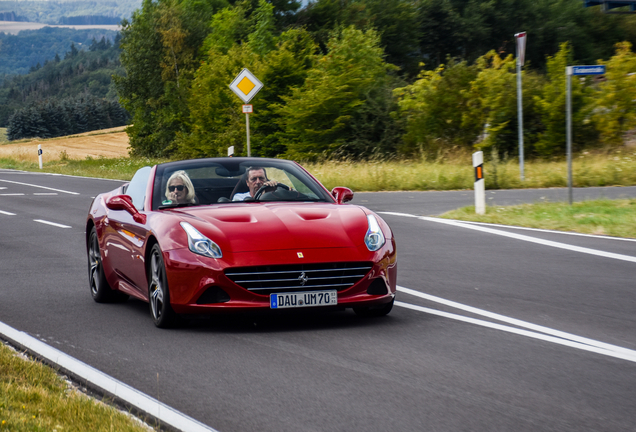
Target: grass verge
{"type": "Point", "coordinates": [603, 217]}
{"type": "Point", "coordinates": [600, 169]}
{"type": "Point", "coordinates": [615, 169]}
{"type": "Point", "coordinates": [3, 135]}
{"type": "Point", "coordinates": [120, 168]}
{"type": "Point", "coordinates": [34, 398]}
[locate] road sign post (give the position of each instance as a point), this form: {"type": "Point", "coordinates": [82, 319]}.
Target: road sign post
{"type": "Point", "coordinates": [569, 71]}
{"type": "Point", "coordinates": [521, 54]}
{"type": "Point", "coordinates": [245, 86]}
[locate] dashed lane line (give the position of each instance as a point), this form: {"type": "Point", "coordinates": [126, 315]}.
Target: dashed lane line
{"type": "Point", "coordinates": [51, 223]}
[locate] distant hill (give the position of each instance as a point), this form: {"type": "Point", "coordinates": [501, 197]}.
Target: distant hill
{"type": "Point", "coordinates": [61, 11]}
{"type": "Point", "coordinates": [24, 51]}
{"type": "Point", "coordinates": [72, 73]}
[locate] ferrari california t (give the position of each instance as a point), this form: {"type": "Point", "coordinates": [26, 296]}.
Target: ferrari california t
{"type": "Point", "coordinates": [209, 235]}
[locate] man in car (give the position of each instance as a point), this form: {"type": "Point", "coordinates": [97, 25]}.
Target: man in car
{"type": "Point", "coordinates": [256, 178]}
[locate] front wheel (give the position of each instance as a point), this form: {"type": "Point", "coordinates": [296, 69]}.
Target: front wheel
{"type": "Point", "coordinates": [100, 289]}
{"type": "Point", "coordinates": [374, 311]}
{"type": "Point", "coordinates": [158, 294]}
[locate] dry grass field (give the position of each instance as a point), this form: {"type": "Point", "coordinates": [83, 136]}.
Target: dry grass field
{"type": "Point", "coordinates": [107, 143]}
{"type": "Point", "coordinates": [14, 27]}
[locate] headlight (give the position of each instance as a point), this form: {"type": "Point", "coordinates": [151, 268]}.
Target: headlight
{"type": "Point", "coordinates": [200, 244]}
{"type": "Point", "coordinates": [374, 239]}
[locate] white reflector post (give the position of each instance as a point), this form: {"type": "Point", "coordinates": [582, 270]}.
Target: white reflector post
{"type": "Point", "coordinates": [230, 151]}
{"type": "Point", "coordinates": [480, 187]}
{"type": "Point", "coordinates": [40, 155]}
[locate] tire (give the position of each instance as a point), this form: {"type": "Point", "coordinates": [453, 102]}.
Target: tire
{"type": "Point", "coordinates": [100, 289]}
{"type": "Point", "coordinates": [158, 294]}
{"type": "Point", "coordinates": [374, 311]}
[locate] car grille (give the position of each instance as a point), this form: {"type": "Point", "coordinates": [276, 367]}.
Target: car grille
{"type": "Point", "coordinates": [300, 277]}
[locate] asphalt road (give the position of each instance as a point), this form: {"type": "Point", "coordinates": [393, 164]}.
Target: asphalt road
{"type": "Point", "coordinates": [430, 365]}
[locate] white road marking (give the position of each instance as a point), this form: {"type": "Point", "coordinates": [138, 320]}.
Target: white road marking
{"type": "Point", "coordinates": [108, 384]}
{"type": "Point", "coordinates": [514, 330]}
{"type": "Point", "coordinates": [51, 223]}
{"type": "Point", "coordinates": [45, 193]}
{"type": "Point", "coordinates": [7, 213]}
{"type": "Point", "coordinates": [552, 231]}
{"type": "Point", "coordinates": [41, 187]}
{"type": "Point", "coordinates": [522, 237]}
{"type": "Point", "coordinates": [519, 323]}
{"type": "Point", "coordinates": [12, 194]}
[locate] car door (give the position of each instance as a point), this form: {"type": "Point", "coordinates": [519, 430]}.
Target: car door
{"type": "Point", "coordinates": [126, 238]}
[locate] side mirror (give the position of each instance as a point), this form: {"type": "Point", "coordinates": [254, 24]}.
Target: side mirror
{"type": "Point", "coordinates": [124, 202]}
{"type": "Point", "coordinates": [342, 194]}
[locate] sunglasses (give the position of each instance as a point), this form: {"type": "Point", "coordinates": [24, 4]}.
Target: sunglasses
{"type": "Point", "coordinates": [179, 188]}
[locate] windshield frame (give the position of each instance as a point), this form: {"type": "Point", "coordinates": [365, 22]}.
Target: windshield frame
{"type": "Point", "coordinates": [235, 167]}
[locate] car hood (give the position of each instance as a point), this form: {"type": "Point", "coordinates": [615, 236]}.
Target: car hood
{"type": "Point", "coordinates": [268, 226]}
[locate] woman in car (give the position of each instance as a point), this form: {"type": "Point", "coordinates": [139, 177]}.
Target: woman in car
{"type": "Point", "coordinates": [179, 188]}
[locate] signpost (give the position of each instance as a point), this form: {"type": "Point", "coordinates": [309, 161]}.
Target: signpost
{"type": "Point", "coordinates": [569, 71]}
{"type": "Point", "coordinates": [245, 86]}
{"type": "Point", "coordinates": [521, 56]}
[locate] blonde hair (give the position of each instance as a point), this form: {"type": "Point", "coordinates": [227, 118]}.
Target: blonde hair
{"type": "Point", "coordinates": [183, 176]}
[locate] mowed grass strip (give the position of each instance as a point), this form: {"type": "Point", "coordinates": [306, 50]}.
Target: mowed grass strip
{"type": "Point", "coordinates": [34, 398]}
{"type": "Point", "coordinates": [113, 168]}
{"type": "Point", "coordinates": [602, 217]}
{"type": "Point", "coordinates": [453, 172]}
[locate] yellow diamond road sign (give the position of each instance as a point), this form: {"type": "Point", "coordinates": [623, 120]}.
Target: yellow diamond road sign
{"type": "Point", "coordinates": [246, 85]}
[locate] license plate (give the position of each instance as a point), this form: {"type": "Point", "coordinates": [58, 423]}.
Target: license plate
{"type": "Point", "coordinates": [303, 299]}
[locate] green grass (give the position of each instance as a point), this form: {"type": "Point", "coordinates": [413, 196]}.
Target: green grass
{"type": "Point", "coordinates": [121, 168]}
{"type": "Point", "coordinates": [604, 217]}
{"type": "Point", "coordinates": [34, 398]}
{"type": "Point", "coordinates": [601, 169]}
{"type": "Point", "coordinates": [617, 168]}
{"type": "Point", "coordinates": [3, 136]}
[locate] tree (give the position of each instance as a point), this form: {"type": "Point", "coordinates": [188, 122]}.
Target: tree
{"type": "Point", "coordinates": [551, 106]}
{"type": "Point", "coordinates": [160, 52]}
{"type": "Point", "coordinates": [433, 108]}
{"type": "Point", "coordinates": [615, 107]}
{"type": "Point", "coordinates": [316, 118]}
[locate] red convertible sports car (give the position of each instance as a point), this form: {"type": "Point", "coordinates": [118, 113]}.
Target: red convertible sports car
{"type": "Point", "coordinates": [208, 235]}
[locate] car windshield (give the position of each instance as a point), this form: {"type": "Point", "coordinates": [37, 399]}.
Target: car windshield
{"type": "Point", "coordinates": [225, 180]}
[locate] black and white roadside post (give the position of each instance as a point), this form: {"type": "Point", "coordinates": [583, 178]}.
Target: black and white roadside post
{"type": "Point", "coordinates": [245, 86]}
{"type": "Point", "coordinates": [480, 186]}
{"type": "Point", "coordinates": [230, 151]}
{"type": "Point", "coordinates": [569, 71]}
{"type": "Point", "coordinates": [40, 155]}
{"type": "Point", "coordinates": [521, 55]}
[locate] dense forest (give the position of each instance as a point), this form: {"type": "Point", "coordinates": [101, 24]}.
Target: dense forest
{"type": "Point", "coordinates": [53, 118]}
{"type": "Point", "coordinates": [20, 53]}
{"type": "Point", "coordinates": [372, 78]}
{"type": "Point", "coordinates": [360, 78]}
{"type": "Point", "coordinates": [61, 11]}
{"type": "Point", "coordinates": [73, 73]}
